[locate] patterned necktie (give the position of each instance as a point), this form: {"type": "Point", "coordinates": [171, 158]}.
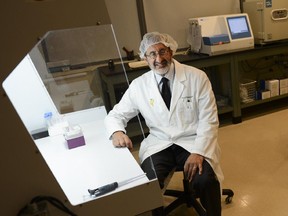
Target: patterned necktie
{"type": "Point", "coordinates": [166, 93]}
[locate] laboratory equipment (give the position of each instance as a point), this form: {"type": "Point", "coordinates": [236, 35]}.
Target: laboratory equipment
{"type": "Point", "coordinates": [269, 19]}
{"type": "Point", "coordinates": [215, 35]}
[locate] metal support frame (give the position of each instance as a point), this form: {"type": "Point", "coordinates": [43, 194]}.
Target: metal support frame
{"type": "Point", "coordinates": [141, 17]}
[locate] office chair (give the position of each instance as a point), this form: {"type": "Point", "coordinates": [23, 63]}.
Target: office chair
{"type": "Point", "coordinates": [189, 197]}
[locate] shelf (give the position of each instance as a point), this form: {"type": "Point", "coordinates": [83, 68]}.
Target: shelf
{"type": "Point", "coordinates": [257, 102]}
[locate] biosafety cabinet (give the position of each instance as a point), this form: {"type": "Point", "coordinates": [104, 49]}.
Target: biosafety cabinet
{"type": "Point", "coordinates": [268, 18]}
{"type": "Point", "coordinates": [57, 94]}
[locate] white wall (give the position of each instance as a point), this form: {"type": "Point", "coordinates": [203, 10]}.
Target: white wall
{"type": "Point", "coordinates": [124, 18]}
{"type": "Point", "coordinates": [172, 16]}
{"type": "Point", "coordinates": [167, 16]}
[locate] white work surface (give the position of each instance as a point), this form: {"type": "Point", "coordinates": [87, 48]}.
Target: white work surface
{"type": "Point", "coordinates": [90, 166]}
{"type": "Point", "coordinates": [87, 167]}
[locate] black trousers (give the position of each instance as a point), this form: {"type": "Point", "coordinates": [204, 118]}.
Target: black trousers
{"type": "Point", "coordinates": [206, 185]}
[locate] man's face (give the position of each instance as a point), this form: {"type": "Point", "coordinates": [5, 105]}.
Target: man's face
{"type": "Point", "coordinates": [159, 58]}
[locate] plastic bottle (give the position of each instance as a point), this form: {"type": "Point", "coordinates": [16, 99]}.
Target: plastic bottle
{"type": "Point", "coordinates": [48, 119]}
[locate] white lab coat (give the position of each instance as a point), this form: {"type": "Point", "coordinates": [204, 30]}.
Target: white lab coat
{"type": "Point", "coordinates": [192, 121]}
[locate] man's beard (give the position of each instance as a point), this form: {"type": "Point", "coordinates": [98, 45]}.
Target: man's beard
{"type": "Point", "coordinates": [164, 67]}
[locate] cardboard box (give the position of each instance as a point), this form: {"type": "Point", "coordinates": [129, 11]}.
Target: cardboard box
{"type": "Point", "coordinates": [283, 83]}
{"type": "Point", "coordinates": [74, 137]}
{"type": "Point", "coordinates": [263, 94]}
{"type": "Point", "coordinates": [283, 90]}
{"type": "Point", "coordinates": [273, 86]}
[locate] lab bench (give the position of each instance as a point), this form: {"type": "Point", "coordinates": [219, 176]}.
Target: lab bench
{"type": "Point", "coordinates": [225, 72]}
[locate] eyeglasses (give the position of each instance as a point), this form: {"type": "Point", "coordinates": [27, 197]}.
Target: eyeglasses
{"type": "Point", "coordinates": [161, 52]}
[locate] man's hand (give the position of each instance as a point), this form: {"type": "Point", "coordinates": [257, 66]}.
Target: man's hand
{"type": "Point", "coordinates": [120, 139]}
{"type": "Point", "coordinates": [192, 165]}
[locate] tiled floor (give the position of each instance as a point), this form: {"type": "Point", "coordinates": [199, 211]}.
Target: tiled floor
{"type": "Point", "coordinates": [255, 164]}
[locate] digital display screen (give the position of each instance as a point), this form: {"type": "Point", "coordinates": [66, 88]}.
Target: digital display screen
{"type": "Point", "coordinates": [238, 27]}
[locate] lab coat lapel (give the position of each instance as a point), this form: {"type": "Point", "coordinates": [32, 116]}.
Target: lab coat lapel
{"type": "Point", "coordinates": [178, 86]}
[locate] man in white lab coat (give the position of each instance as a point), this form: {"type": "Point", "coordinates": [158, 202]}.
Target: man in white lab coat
{"type": "Point", "coordinates": [182, 134]}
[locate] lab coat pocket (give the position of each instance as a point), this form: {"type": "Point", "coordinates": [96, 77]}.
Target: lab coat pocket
{"type": "Point", "coordinates": [187, 110]}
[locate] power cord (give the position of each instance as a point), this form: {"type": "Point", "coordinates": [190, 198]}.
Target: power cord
{"type": "Point", "coordinates": [52, 200]}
